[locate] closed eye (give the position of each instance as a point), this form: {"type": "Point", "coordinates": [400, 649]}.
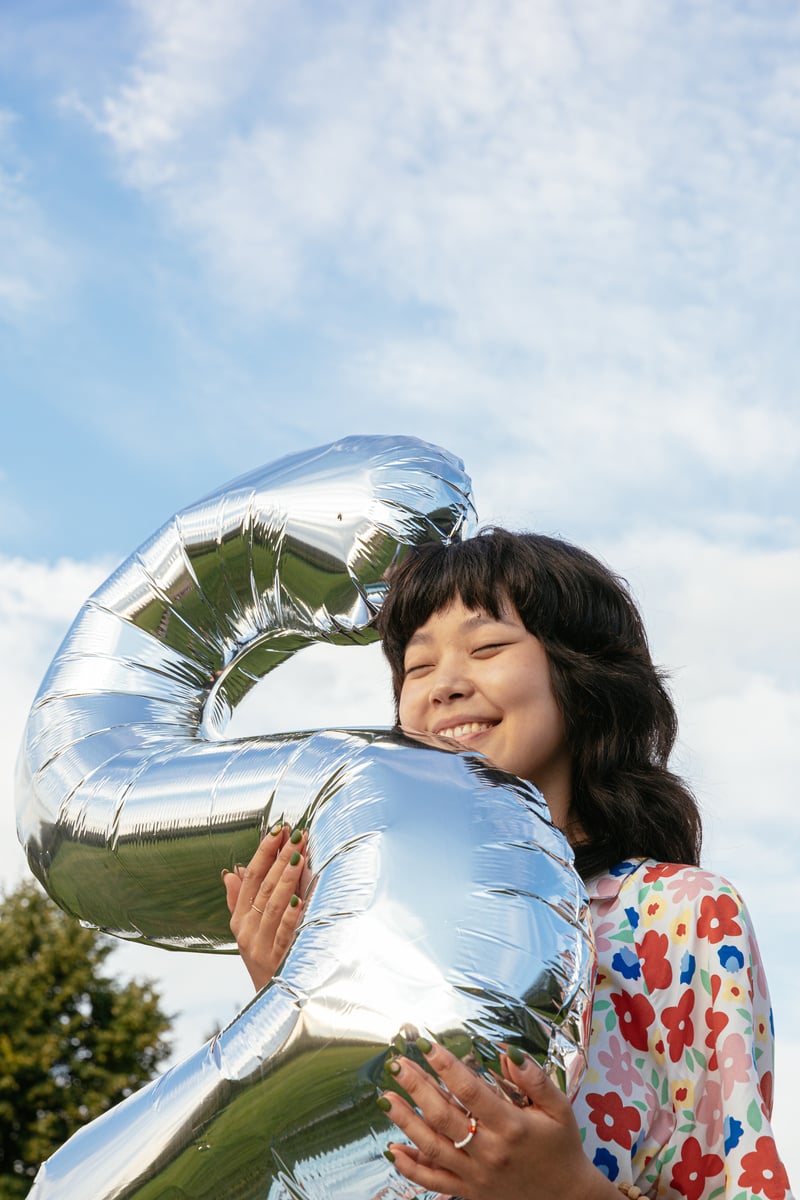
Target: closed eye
{"type": "Point", "coordinates": [491, 647]}
{"type": "Point", "coordinates": [416, 669]}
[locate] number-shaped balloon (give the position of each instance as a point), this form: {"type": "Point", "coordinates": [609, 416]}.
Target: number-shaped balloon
{"type": "Point", "coordinates": [442, 900]}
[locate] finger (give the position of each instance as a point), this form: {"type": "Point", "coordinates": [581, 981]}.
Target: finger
{"type": "Point", "coordinates": [440, 1112]}
{"type": "Point", "coordinates": [533, 1082]}
{"type": "Point", "coordinates": [281, 882]}
{"type": "Point", "coordinates": [232, 884]}
{"type": "Point", "coordinates": [472, 1092]}
{"type": "Point", "coordinates": [415, 1166]}
{"type": "Point", "coordinates": [431, 1153]}
{"type": "Point", "coordinates": [284, 935]}
{"type": "Point", "coordinates": [259, 866]}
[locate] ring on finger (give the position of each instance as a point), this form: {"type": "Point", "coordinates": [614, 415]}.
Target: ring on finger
{"type": "Point", "coordinates": [258, 910]}
{"type": "Point", "coordinates": [470, 1134]}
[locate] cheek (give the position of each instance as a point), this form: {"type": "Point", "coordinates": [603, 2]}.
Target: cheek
{"type": "Point", "coordinates": [405, 706]}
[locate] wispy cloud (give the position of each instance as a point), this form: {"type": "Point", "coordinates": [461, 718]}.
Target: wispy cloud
{"type": "Point", "coordinates": [31, 263]}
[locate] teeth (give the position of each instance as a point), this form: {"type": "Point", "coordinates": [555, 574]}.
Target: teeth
{"type": "Point", "coordinates": [459, 731]}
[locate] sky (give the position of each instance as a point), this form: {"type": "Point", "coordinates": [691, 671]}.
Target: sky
{"type": "Point", "coordinates": [558, 238]}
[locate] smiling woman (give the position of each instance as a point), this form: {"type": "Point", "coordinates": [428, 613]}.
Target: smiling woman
{"type": "Point", "coordinates": [485, 682]}
{"type": "Point", "coordinates": [533, 652]}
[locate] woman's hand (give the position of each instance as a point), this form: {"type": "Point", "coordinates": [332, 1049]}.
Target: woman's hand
{"type": "Point", "coordinates": [531, 1153]}
{"type": "Point", "coordinates": [264, 903]}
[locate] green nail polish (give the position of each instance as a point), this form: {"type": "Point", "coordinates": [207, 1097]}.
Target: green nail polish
{"type": "Point", "coordinates": [383, 1104]}
{"type": "Point", "coordinates": [516, 1056]}
{"type": "Point", "coordinates": [224, 872]}
{"type": "Point", "coordinates": [424, 1045]}
{"type": "Point", "coordinates": [388, 1154]}
{"type": "Point", "coordinates": [296, 837]}
{"type": "Point", "coordinates": [276, 828]}
{"type": "Point", "coordinates": [295, 859]}
{"type": "Point", "coordinates": [393, 1067]}
{"type": "Point", "coordinates": [295, 900]}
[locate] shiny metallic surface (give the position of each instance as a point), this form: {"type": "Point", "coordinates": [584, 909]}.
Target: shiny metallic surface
{"type": "Point", "coordinates": [441, 900]}
{"type": "Point", "coordinates": [129, 799]}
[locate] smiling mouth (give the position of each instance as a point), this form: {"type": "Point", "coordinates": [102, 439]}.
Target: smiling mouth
{"type": "Point", "coordinates": [457, 732]}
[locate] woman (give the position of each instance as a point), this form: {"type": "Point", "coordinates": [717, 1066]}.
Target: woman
{"type": "Point", "coordinates": [528, 650]}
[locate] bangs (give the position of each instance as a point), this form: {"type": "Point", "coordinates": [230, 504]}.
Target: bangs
{"type": "Point", "coordinates": [430, 578]}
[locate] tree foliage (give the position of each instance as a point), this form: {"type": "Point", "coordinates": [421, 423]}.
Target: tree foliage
{"type": "Point", "coordinates": [73, 1040]}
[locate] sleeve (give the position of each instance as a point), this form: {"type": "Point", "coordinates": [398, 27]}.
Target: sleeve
{"type": "Point", "coordinates": [713, 1033]}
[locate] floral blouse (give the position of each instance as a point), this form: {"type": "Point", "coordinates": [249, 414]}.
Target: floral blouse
{"type": "Point", "coordinates": [678, 1092]}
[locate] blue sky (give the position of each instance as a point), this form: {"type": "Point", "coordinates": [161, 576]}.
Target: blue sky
{"type": "Point", "coordinates": [559, 239]}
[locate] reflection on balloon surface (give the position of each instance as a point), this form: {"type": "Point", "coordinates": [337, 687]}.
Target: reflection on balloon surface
{"type": "Point", "coordinates": [441, 899]}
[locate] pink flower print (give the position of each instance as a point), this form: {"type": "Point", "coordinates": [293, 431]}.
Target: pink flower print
{"type": "Point", "coordinates": [690, 883]}
{"type": "Point", "coordinates": [710, 1111]}
{"type": "Point", "coordinates": [734, 1062]}
{"type": "Point", "coordinates": [601, 941]}
{"type": "Point", "coordinates": [619, 1069]}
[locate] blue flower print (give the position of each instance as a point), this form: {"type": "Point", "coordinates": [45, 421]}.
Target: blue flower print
{"type": "Point", "coordinates": [733, 1133]}
{"type": "Point", "coordinates": [731, 958]}
{"type": "Point", "coordinates": [633, 917]}
{"type": "Point", "coordinates": [688, 963]}
{"type": "Point", "coordinates": [627, 963]}
{"type": "Point", "coordinates": [605, 1161]}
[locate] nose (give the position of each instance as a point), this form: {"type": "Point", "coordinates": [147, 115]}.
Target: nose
{"type": "Point", "coordinates": [449, 685]}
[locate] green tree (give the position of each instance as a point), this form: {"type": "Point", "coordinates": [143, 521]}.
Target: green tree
{"type": "Point", "coordinates": [73, 1040]}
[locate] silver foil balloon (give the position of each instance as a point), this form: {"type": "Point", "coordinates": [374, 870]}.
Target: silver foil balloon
{"type": "Point", "coordinates": [441, 899]}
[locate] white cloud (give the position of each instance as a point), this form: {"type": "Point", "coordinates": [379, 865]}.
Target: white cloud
{"type": "Point", "coordinates": [592, 230]}
{"type": "Point", "coordinates": [32, 266]}
{"type": "Point", "coordinates": [465, 156]}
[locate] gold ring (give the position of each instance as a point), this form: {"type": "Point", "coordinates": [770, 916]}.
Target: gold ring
{"type": "Point", "coordinates": [465, 1141]}
{"type": "Point", "coordinates": [258, 910]}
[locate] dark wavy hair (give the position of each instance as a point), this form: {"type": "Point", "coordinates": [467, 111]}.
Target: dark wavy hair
{"type": "Point", "coordinates": [620, 720]}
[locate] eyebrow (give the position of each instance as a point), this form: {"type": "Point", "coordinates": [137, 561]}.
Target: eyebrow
{"type": "Point", "coordinates": [421, 639]}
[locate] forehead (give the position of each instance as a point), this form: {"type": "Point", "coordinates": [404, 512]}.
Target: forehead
{"type": "Point", "coordinates": [456, 619]}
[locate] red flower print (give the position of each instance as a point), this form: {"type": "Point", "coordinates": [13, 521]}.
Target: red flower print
{"type": "Point", "coordinates": [718, 918]}
{"type": "Point", "coordinates": [690, 1174]}
{"type": "Point", "coordinates": [635, 1015]}
{"type": "Point", "coordinates": [763, 1172]}
{"type": "Point", "coordinates": [678, 1020]}
{"type": "Point", "coordinates": [656, 968]}
{"type": "Point", "coordinates": [766, 1092]}
{"type": "Point", "coordinates": [614, 1121]}
{"type": "Point", "coordinates": [661, 871]}
{"type": "Point", "coordinates": [716, 1022]}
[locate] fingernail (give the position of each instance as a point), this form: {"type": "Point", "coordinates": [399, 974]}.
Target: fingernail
{"type": "Point", "coordinates": [517, 1057]}
{"type": "Point", "coordinates": [424, 1045]}
{"type": "Point", "coordinates": [295, 900]}
{"type": "Point", "coordinates": [296, 837]}
{"type": "Point", "coordinates": [224, 872]}
{"type": "Point", "coordinates": [239, 868]}
{"type": "Point", "coordinates": [276, 828]}
{"type": "Point", "coordinates": [383, 1104]}
{"type": "Point", "coordinates": [388, 1154]}
{"type": "Point", "coordinates": [295, 859]}
{"type": "Point", "coordinates": [394, 1067]}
